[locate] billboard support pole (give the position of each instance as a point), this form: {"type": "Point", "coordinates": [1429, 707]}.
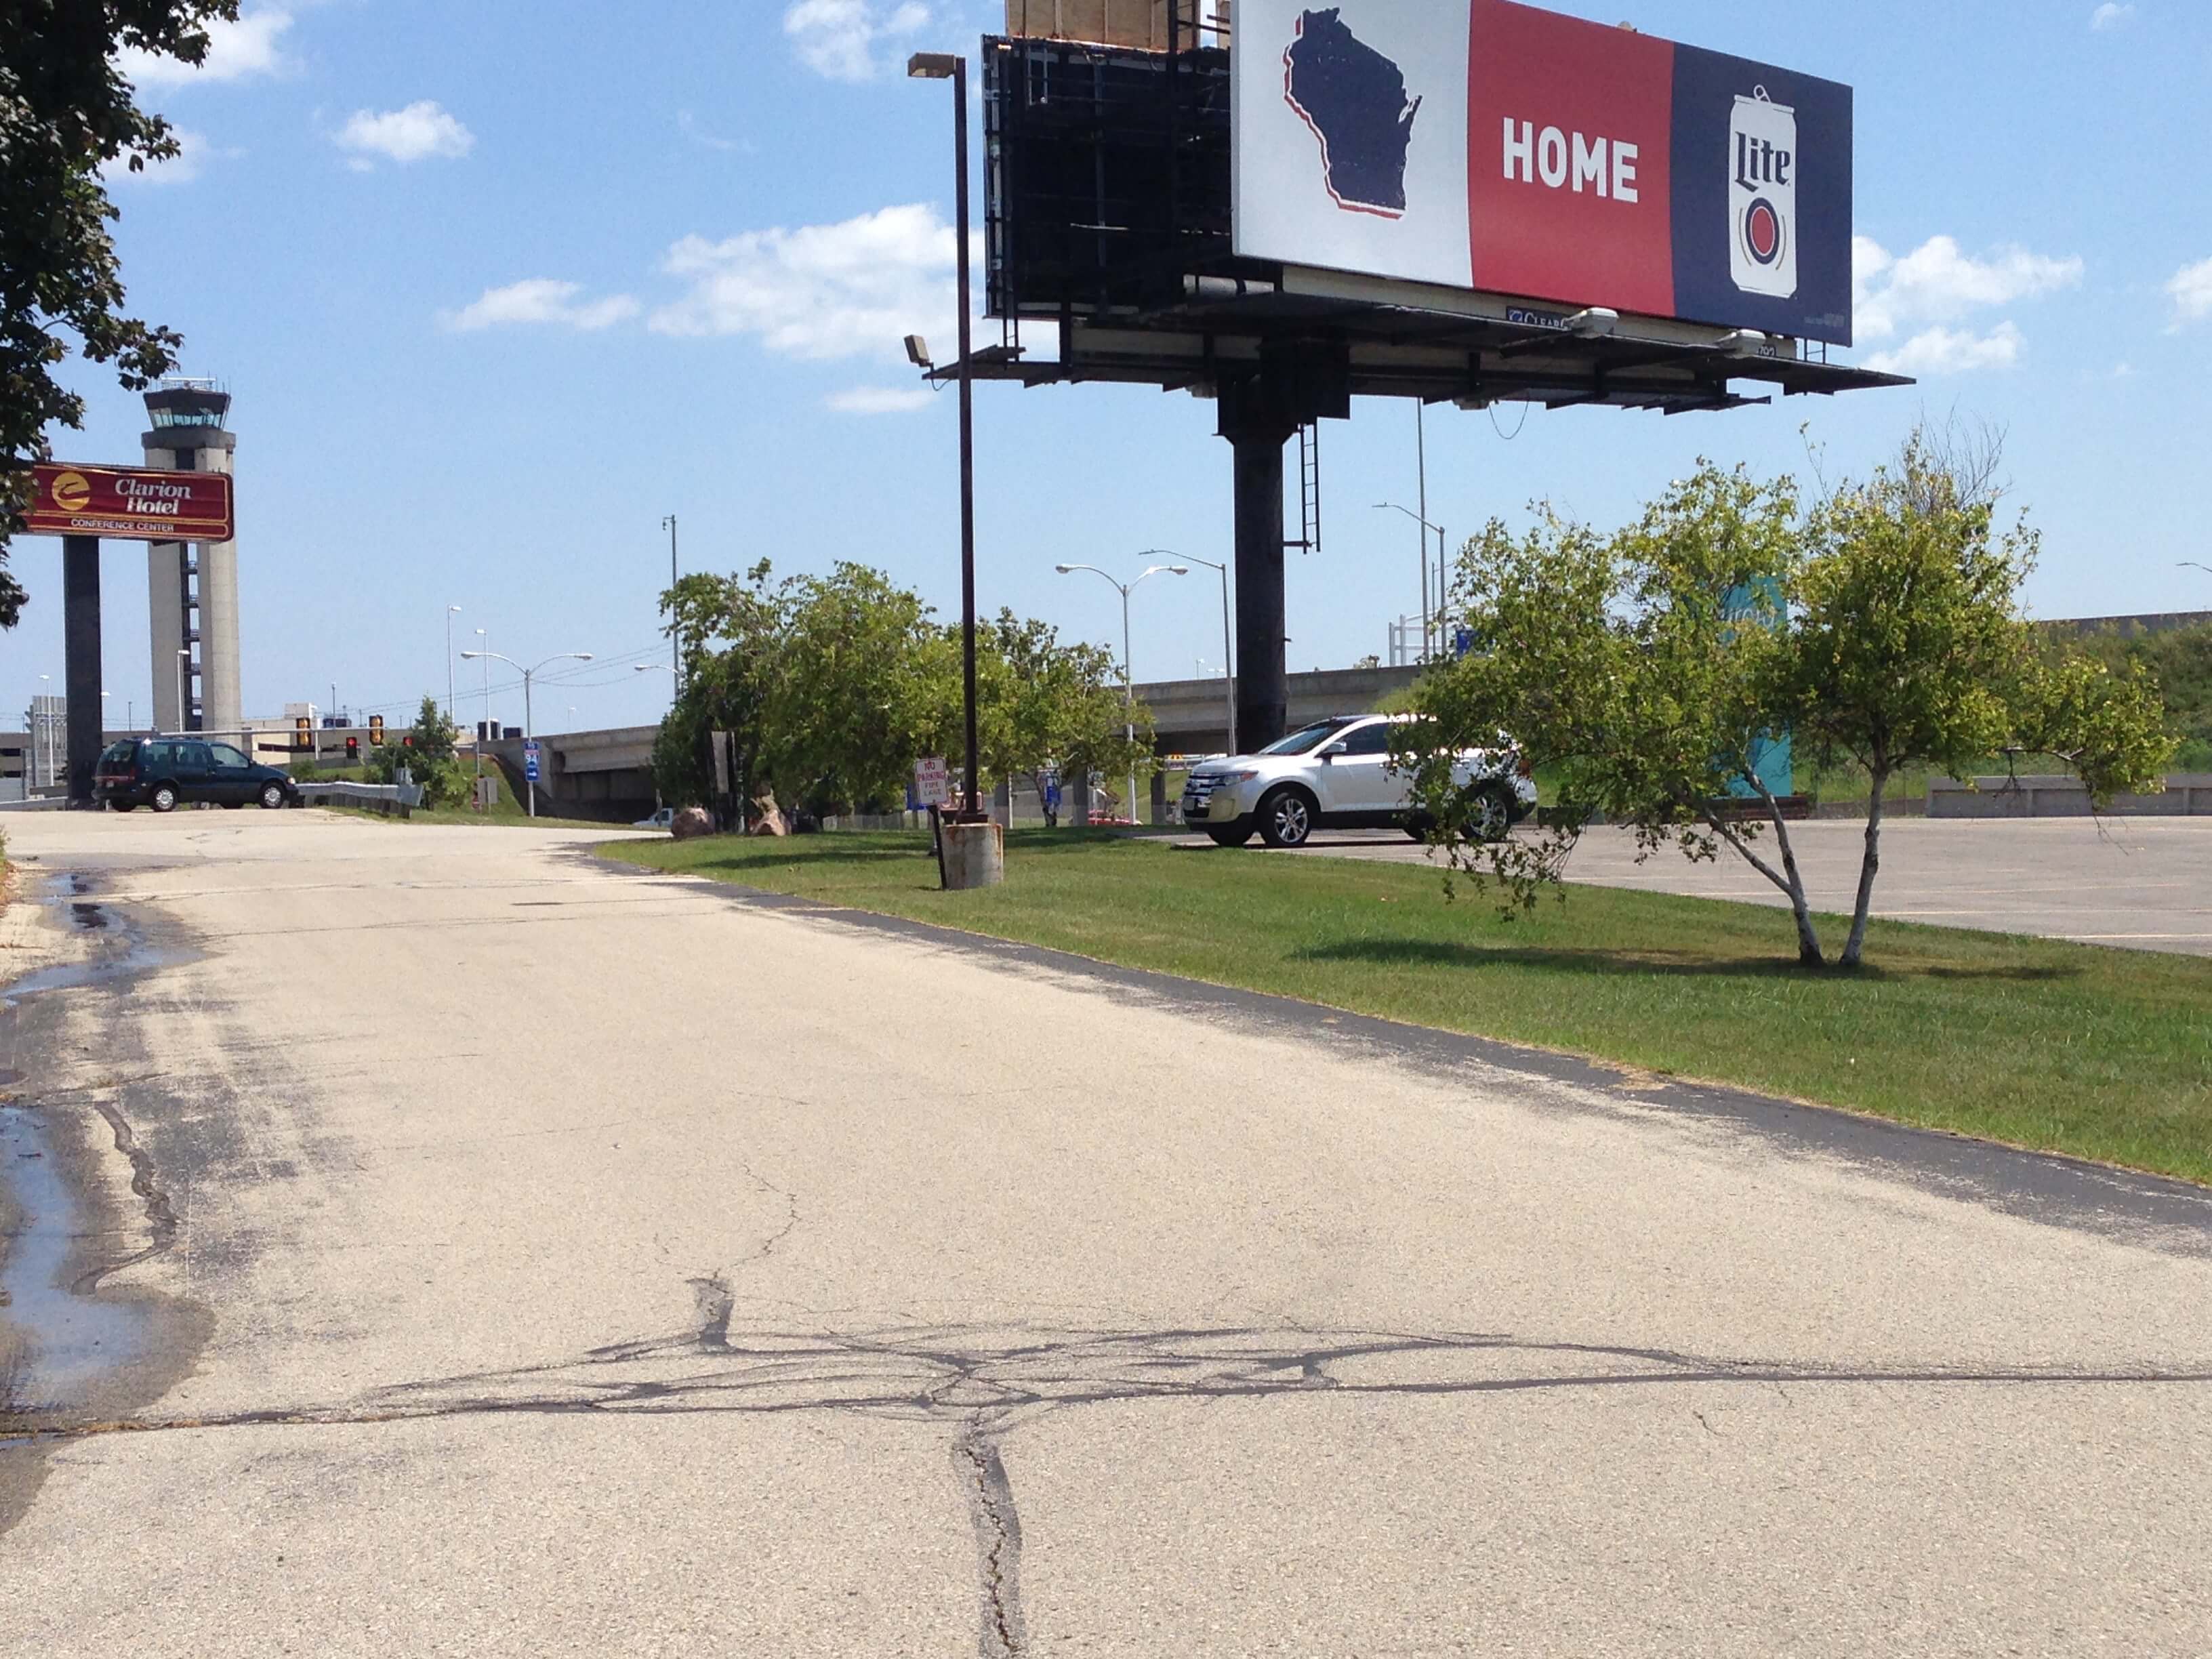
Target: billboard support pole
{"type": "Point", "coordinates": [81, 672]}
{"type": "Point", "coordinates": [1257, 433]}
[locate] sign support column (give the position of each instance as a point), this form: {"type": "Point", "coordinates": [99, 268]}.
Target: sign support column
{"type": "Point", "coordinates": [81, 674]}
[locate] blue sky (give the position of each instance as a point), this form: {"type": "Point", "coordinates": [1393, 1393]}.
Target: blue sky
{"type": "Point", "coordinates": [497, 286]}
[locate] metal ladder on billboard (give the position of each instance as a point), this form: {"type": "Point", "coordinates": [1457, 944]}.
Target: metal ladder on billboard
{"type": "Point", "coordinates": [1308, 539]}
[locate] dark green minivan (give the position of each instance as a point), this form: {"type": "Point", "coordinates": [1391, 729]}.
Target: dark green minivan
{"type": "Point", "coordinates": [166, 772]}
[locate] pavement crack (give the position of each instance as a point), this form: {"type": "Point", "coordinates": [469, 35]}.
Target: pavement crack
{"type": "Point", "coordinates": [160, 1218]}
{"type": "Point", "coordinates": [990, 1495]}
{"type": "Point", "coordinates": [790, 1218]}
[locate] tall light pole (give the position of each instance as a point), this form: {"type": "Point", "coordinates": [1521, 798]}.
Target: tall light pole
{"type": "Point", "coordinates": [1428, 628]}
{"type": "Point", "coordinates": [451, 612]}
{"type": "Point", "coordinates": [528, 674]}
{"type": "Point", "coordinates": [941, 66]}
{"type": "Point", "coordinates": [42, 752]}
{"type": "Point", "coordinates": [675, 692]}
{"type": "Point", "coordinates": [675, 634]}
{"type": "Point", "coordinates": [184, 713]}
{"type": "Point", "coordinates": [1227, 662]}
{"type": "Point", "coordinates": [1128, 681]}
{"type": "Point", "coordinates": [484, 733]}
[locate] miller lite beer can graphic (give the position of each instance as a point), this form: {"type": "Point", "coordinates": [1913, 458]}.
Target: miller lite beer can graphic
{"type": "Point", "coordinates": [1763, 197]}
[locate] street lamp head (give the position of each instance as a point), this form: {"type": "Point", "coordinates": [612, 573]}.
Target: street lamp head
{"type": "Point", "coordinates": [453, 609]}
{"type": "Point", "coordinates": [582, 656]}
{"type": "Point", "coordinates": [1065, 570]}
{"type": "Point", "coordinates": [917, 352]}
{"type": "Point", "coordinates": [470, 656]}
{"type": "Point", "coordinates": [931, 66]}
{"type": "Point", "coordinates": [1178, 570]}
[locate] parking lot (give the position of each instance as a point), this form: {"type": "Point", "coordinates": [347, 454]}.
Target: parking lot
{"type": "Point", "coordinates": [2141, 884]}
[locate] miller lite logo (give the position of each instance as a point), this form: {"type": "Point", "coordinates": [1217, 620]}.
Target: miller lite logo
{"type": "Point", "coordinates": [1763, 198]}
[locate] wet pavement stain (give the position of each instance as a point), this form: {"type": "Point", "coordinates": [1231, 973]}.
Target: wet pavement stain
{"type": "Point", "coordinates": [68, 1342]}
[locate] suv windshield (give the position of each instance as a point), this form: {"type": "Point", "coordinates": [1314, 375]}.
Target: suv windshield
{"type": "Point", "coordinates": [1312, 737]}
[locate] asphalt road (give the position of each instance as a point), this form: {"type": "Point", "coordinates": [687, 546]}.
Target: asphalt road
{"type": "Point", "coordinates": [2140, 884]}
{"type": "Point", "coordinates": [528, 1257]}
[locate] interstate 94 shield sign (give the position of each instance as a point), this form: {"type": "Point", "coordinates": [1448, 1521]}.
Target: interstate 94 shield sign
{"type": "Point", "coordinates": [1484, 144]}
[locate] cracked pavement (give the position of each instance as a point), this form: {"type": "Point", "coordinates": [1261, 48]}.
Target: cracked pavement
{"type": "Point", "coordinates": [536, 1257]}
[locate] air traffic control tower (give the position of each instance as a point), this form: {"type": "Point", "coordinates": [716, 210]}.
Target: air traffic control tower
{"type": "Point", "coordinates": [192, 587]}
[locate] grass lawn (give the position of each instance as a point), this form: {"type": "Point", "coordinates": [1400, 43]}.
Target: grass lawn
{"type": "Point", "coordinates": [2064, 1048]}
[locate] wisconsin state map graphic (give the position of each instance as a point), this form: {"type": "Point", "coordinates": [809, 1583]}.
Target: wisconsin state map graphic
{"type": "Point", "coordinates": [1353, 98]}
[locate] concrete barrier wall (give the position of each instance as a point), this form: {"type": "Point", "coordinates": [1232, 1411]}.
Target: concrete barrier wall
{"type": "Point", "coordinates": [2188, 794]}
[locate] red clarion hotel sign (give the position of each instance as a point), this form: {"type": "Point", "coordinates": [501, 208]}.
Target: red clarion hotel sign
{"type": "Point", "coordinates": [131, 503]}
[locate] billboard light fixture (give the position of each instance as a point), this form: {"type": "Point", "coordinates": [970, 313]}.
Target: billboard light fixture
{"type": "Point", "coordinates": [917, 351]}
{"type": "Point", "coordinates": [1598, 323]}
{"type": "Point", "coordinates": [930, 66]}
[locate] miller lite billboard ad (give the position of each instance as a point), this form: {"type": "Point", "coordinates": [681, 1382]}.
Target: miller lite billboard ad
{"type": "Point", "coordinates": [1483, 144]}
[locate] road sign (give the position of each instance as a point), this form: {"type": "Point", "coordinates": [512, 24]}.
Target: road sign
{"type": "Point", "coordinates": [530, 762]}
{"type": "Point", "coordinates": [131, 503]}
{"type": "Point", "coordinates": [932, 782]}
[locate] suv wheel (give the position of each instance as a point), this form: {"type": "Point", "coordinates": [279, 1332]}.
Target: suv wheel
{"type": "Point", "coordinates": [1230, 837]}
{"type": "Point", "coordinates": [1287, 819]}
{"type": "Point", "coordinates": [1419, 826]}
{"type": "Point", "coordinates": [1493, 818]}
{"type": "Point", "coordinates": [164, 798]}
{"type": "Point", "coordinates": [272, 796]}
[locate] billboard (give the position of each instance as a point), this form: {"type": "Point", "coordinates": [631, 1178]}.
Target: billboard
{"type": "Point", "coordinates": [1484, 144]}
{"type": "Point", "coordinates": [132, 503]}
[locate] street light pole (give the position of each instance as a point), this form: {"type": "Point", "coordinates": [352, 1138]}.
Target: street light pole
{"type": "Point", "coordinates": [42, 752]}
{"type": "Point", "coordinates": [529, 729]}
{"type": "Point", "coordinates": [1128, 677]}
{"type": "Point", "coordinates": [451, 610]}
{"type": "Point", "coordinates": [1227, 662]}
{"type": "Point", "coordinates": [1429, 628]}
{"type": "Point", "coordinates": [939, 66]}
{"type": "Point", "coordinates": [674, 633]}
{"type": "Point", "coordinates": [184, 714]}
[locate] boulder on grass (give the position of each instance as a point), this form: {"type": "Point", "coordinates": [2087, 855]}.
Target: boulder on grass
{"type": "Point", "coordinates": [690, 823]}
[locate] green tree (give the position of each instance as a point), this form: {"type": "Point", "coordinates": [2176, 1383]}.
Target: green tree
{"type": "Point", "coordinates": [1643, 671]}
{"type": "Point", "coordinates": [2180, 660]}
{"type": "Point", "coordinates": [67, 112]}
{"type": "Point", "coordinates": [1045, 705]}
{"type": "Point", "coordinates": [733, 630]}
{"type": "Point", "coordinates": [431, 755]}
{"type": "Point", "coordinates": [1909, 648]}
{"type": "Point", "coordinates": [1629, 669]}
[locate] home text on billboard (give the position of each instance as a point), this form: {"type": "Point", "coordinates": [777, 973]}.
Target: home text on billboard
{"type": "Point", "coordinates": [1487, 145]}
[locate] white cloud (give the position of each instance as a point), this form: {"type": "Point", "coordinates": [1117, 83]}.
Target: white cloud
{"type": "Point", "coordinates": [1952, 351]}
{"type": "Point", "coordinates": [840, 38]}
{"type": "Point", "coordinates": [235, 51]}
{"type": "Point", "coordinates": [192, 154]}
{"type": "Point", "coordinates": [542, 300]}
{"type": "Point", "coordinates": [420, 132]}
{"type": "Point", "coordinates": [2111, 16]}
{"type": "Point", "coordinates": [879, 400]}
{"type": "Point", "coordinates": [821, 291]}
{"type": "Point", "coordinates": [1939, 282]}
{"type": "Point", "coordinates": [2191, 293]}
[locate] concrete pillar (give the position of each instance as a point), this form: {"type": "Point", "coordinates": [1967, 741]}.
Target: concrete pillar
{"type": "Point", "coordinates": [81, 672]}
{"type": "Point", "coordinates": [220, 689]}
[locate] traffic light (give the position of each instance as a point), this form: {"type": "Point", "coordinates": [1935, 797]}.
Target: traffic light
{"type": "Point", "coordinates": [407, 742]}
{"type": "Point", "coordinates": [303, 735]}
{"type": "Point", "coordinates": [353, 750]}
{"type": "Point", "coordinates": [376, 730]}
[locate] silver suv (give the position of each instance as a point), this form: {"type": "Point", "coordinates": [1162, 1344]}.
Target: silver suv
{"type": "Point", "coordinates": [1336, 774]}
